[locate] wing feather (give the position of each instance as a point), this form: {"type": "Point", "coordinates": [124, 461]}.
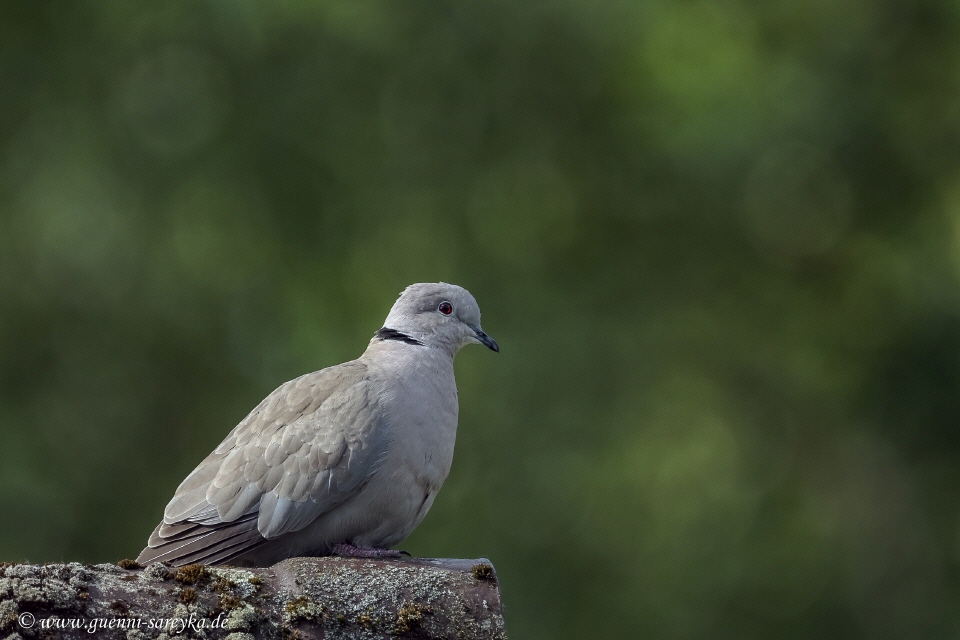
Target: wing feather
{"type": "Point", "coordinates": [307, 447]}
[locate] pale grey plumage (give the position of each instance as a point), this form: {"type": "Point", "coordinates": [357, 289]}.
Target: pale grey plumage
{"type": "Point", "coordinates": [353, 454]}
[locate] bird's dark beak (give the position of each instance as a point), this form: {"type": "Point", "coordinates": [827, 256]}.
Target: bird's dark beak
{"type": "Point", "coordinates": [486, 340]}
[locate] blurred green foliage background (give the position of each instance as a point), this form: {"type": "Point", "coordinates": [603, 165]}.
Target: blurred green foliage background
{"type": "Point", "coordinates": [719, 243]}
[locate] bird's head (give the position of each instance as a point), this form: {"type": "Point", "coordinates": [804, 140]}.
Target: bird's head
{"type": "Point", "coordinates": [437, 314]}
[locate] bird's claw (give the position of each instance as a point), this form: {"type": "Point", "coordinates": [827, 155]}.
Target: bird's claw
{"type": "Point", "coordinates": [350, 551]}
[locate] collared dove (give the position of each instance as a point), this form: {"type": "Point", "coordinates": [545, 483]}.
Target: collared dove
{"type": "Point", "coordinates": [345, 460]}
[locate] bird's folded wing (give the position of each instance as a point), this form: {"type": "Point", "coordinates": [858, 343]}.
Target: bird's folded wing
{"type": "Point", "coordinates": [306, 448]}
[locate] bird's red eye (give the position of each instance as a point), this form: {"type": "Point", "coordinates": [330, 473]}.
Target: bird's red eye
{"type": "Point", "coordinates": [445, 308]}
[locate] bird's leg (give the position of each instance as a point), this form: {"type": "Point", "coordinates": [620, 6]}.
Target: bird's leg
{"type": "Point", "coordinates": [350, 551]}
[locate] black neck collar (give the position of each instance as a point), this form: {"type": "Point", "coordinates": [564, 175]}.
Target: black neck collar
{"type": "Point", "coordinates": [392, 334]}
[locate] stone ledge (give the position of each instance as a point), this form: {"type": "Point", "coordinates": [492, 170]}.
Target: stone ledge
{"type": "Point", "coordinates": [301, 598]}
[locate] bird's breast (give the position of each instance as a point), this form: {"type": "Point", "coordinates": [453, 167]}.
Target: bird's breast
{"type": "Point", "coordinates": [422, 413]}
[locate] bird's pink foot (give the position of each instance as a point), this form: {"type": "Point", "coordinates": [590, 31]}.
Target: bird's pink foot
{"type": "Point", "coordinates": [350, 551]}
